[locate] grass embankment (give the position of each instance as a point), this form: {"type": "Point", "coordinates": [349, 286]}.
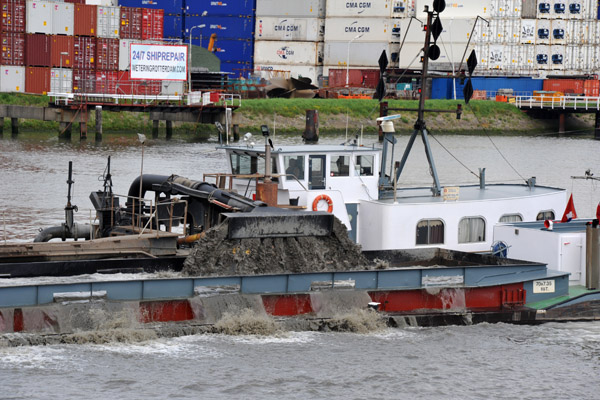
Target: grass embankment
{"type": "Point", "coordinates": [288, 115]}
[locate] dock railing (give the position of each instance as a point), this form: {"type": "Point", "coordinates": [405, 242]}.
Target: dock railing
{"type": "Point", "coordinates": [555, 102]}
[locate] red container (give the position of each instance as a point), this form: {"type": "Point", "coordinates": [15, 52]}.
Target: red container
{"type": "Point", "coordinates": [152, 23]}
{"type": "Point", "coordinates": [107, 54]}
{"type": "Point", "coordinates": [61, 44]}
{"type": "Point", "coordinates": [37, 50]}
{"type": "Point", "coordinates": [106, 82]}
{"type": "Point", "coordinates": [137, 86]}
{"type": "Point", "coordinates": [366, 78]}
{"type": "Point", "coordinates": [591, 88]}
{"type": "Point", "coordinates": [568, 86]}
{"type": "Point", "coordinates": [37, 80]}
{"type": "Point", "coordinates": [13, 48]}
{"type": "Point", "coordinates": [131, 23]}
{"type": "Point", "coordinates": [84, 52]}
{"type": "Point", "coordinates": [85, 20]}
{"type": "Point", "coordinates": [84, 81]}
{"type": "Point", "coordinates": [75, 1]}
{"type": "Point", "coordinates": [12, 18]}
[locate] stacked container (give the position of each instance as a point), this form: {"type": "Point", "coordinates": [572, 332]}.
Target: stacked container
{"type": "Point", "coordinates": [289, 39]}
{"type": "Point", "coordinates": [12, 39]}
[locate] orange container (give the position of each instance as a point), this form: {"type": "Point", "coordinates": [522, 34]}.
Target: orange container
{"type": "Point", "coordinates": [61, 44]}
{"type": "Point", "coordinates": [591, 88]}
{"type": "Point", "coordinates": [37, 80]}
{"type": "Point", "coordinates": [85, 20]}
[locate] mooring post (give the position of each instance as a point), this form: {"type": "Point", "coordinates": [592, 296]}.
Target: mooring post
{"type": "Point", "coordinates": [14, 126]}
{"type": "Point", "coordinates": [236, 132]}
{"type": "Point", "coordinates": [64, 130]}
{"type": "Point", "coordinates": [98, 123]}
{"type": "Point", "coordinates": [169, 129]}
{"type": "Point", "coordinates": [311, 132]}
{"type": "Point", "coordinates": [155, 123]}
{"type": "Point", "coordinates": [383, 111]}
{"type": "Point", "coordinates": [1, 126]}
{"type": "Point", "coordinates": [597, 127]}
{"type": "Point", "coordinates": [561, 123]}
{"type": "Point", "coordinates": [82, 130]}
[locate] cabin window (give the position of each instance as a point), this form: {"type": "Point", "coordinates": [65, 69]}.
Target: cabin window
{"type": "Point", "coordinates": [544, 215]}
{"type": "Point", "coordinates": [430, 231]}
{"type": "Point", "coordinates": [294, 165]}
{"type": "Point", "coordinates": [511, 218]}
{"type": "Point", "coordinates": [340, 166]}
{"type": "Point", "coordinates": [245, 164]}
{"type": "Point", "coordinates": [471, 230]}
{"type": "Point", "coordinates": [364, 165]}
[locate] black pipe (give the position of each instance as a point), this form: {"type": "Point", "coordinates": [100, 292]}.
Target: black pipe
{"type": "Point", "coordinates": [147, 181]}
{"type": "Point", "coordinates": [62, 232]}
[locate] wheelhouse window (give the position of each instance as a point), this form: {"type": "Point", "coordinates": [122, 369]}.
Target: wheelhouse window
{"type": "Point", "coordinates": [544, 215]}
{"type": "Point", "coordinates": [471, 230]}
{"type": "Point", "coordinates": [364, 165]}
{"type": "Point", "coordinates": [430, 231]}
{"type": "Point", "coordinates": [340, 166]}
{"type": "Point", "coordinates": [294, 165]}
{"type": "Point", "coordinates": [248, 164]}
{"type": "Point", "coordinates": [511, 218]}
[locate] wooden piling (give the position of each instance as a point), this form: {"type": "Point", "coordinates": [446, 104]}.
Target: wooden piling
{"type": "Point", "coordinates": [98, 123]}
{"type": "Point", "coordinates": [14, 126]}
{"type": "Point", "coordinates": [561, 124]}
{"type": "Point", "coordinates": [64, 130]}
{"type": "Point", "coordinates": [1, 126]}
{"type": "Point", "coordinates": [236, 132]}
{"type": "Point", "coordinates": [155, 124]}
{"type": "Point", "coordinates": [311, 132]}
{"type": "Point", "coordinates": [597, 127]}
{"type": "Point", "coordinates": [169, 129]}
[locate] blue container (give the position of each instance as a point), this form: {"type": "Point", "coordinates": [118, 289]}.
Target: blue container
{"type": "Point", "coordinates": [441, 88]}
{"type": "Point", "coordinates": [224, 27]}
{"type": "Point", "coordinates": [171, 7]}
{"type": "Point", "coordinates": [230, 50]}
{"type": "Point", "coordinates": [220, 8]}
{"type": "Point", "coordinates": [237, 69]}
{"type": "Point", "coordinates": [173, 27]}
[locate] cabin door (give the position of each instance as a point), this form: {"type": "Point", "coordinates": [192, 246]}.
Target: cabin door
{"type": "Point", "coordinates": [316, 172]}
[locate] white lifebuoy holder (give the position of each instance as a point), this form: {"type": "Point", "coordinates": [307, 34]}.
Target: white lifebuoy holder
{"type": "Point", "coordinates": [327, 199]}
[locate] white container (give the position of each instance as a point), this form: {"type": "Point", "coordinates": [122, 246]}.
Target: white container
{"type": "Point", "coordinates": [500, 8]}
{"type": "Point", "coordinates": [290, 8]}
{"type": "Point", "coordinates": [543, 31]}
{"type": "Point", "coordinates": [287, 28]}
{"type": "Point", "coordinates": [512, 57]}
{"type": "Point", "coordinates": [61, 80]}
{"type": "Point", "coordinates": [172, 88]}
{"type": "Point", "coordinates": [573, 58]}
{"type": "Point", "coordinates": [557, 58]}
{"type": "Point", "coordinates": [411, 31]}
{"type": "Point", "coordinates": [497, 31]}
{"type": "Point", "coordinates": [576, 9]}
{"type": "Point", "coordinates": [39, 16]}
{"type": "Point", "coordinates": [360, 55]}
{"type": "Point", "coordinates": [450, 55]}
{"type": "Point", "coordinates": [482, 52]}
{"type": "Point", "coordinates": [590, 9]}
{"type": "Point", "coordinates": [512, 29]}
{"type": "Point", "coordinates": [528, 31]}
{"type": "Point", "coordinates": [590, 59]}
{"type": "Point", "coordinates": [12, 79]}
{"type": "Point", "coordinates": [401, 8]}
{"type": "Point", "coordinates": [515, 9]}
{"type": "Point", "coordinates": [361, 8]}
{"type": "Point", "coordinates": [558, 32]}
{"type": "Point", "coordinates": [313, 72]}
{"type": "Point", "coordinates": [62, 18]}
{"type": "Point", "coordinates": [544, 9]}
{"type": "Point", "coordinates": [560, 9]}
{"type": "Point", "coordinates": [124, 45]}
{"type": "Point", "coordinates": [108, 22]}
{"type": "Point", "coordinates": [496, 56]}
{"type": "Point", "coordinates": [457, 8]}
{"type": "Point", "coordinates": [292, 53]}
{"type": "Point", "coordinates": [543, 57]}
{"type": "Point", "coordinates": [527, 58]}
{"type": "Point", "coordinates": [108, 3]}
{"type": "Point", "coordinates": [359, 29]}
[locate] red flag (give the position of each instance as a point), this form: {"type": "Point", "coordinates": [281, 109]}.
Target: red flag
{"type": "Point", "coordinates": [569, 211]}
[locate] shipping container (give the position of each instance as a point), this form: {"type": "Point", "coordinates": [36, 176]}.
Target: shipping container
{"type": "Point", "coordinates": [237, 69]}
{"type": "Point", "coordinates": [360, 29]}
{"type": "Point", "coordinates": [558, 33]}
{"type": "Point", "coordinates": [106, 3]}
{"type": "Point", "coordinates": [61, 51]}
{"type": "Point", "coordinates": [223, 27]}
{"type": "Point", "coordinates": [567, 86]}
{"type": "Point", "coordinates": [482, 51]}
{"type": "Point", "coordinates": [557, 57]}
{"type": "Point", "coordinates": [63, 15]}
{"type": "Point", "coordinates": [39, 16]}
{"type": "Point", "coordinates": [172, 88]}
{"type": "Point", "coordinates": [512, 29]}
{"type": "Point", "coordinates": [170, 7]}
{"type": "Point", "coordinates": [559, 9]}
{"type": "Point", "coordinates": [108, 21]}
{"type": "Point", "coordinates": [107, 54]}
{"type": "Point", "coordinates": [543, 57]}
{"type": "Point", "coordinates": [544, 9]}
{"type": "Point", "coordinates": [527, 59]}
{"type": "Point", "coordinates": [13, 48]}
{"type": "Point", "coordinates": [367, 78]}
{"type": "Point", "coordinates": [13, 14]}
{"type": "Point", "coordinates": [576, 8]}
{"type": "Point", "coordinates": [173, 27]}
{"type": "Point", "coordinates": [362, 54]}
{"type": "Point", "coordinates": [314, 73]}
{"type": "Point", "coordinates": [125, 85]}
{"type": "Point", "coordinates": [152, 24]}
{"type": "Point", "coordinates": [106, 82]}
{"type": "Point", "coordinates": [298, 29]}
{"type": "Point", "coordinates": [290, 8]}
{"type": "Point", "coordinates": [443, 88]}
{"type": "Point", "coordinates": [409, 56]}
{"type": "Point", "coordinates": [293, 53]}
{"type": "Point", "coordinates": [501, 9]}
{"type": "Point", "coordinates": [61, 80]}
{"type": "Point", "coordinates": [221, 8]}
{"type": "Point", "coordinates": [543, 31]}
{"type": "Point", "coordinates": [528, 31]}
{"type": "Point", "coordinates": [84, 52]}
{"type": "Point", "coordinates": [131, 23]}
{"type": "Point", "coordinates": [573, 60]}
{"type": "Point", "coordinates": [85, 20]}
{"type": "Point", "coordinates": [591, 88]}
{"type": "Point", "coordinates": [37, 50]}
{"type": "Point", "coordinates": [75, 1]}
{"type": "Point", "coordinates": [529, 9]}
{"type": "Point", "coordinates": [124, 58]}
{"type": "Point", "coordinates": [84, 81]}
{"type": "Point", "coordinates": [345, 8]}
{"type": "Point", "coordinates": [37, 80]}
{"type": "Point", "coordinates": [231, 50]}
{"type": "Point", "coordinates": [496, 59]}
{"type": "Point", "coordinates": [457, 8]}
{"type": "Point", "coordinates": [12, 79]}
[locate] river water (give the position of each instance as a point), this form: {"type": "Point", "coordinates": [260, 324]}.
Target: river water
{"type": "Point", "coordinates": [494, 361]}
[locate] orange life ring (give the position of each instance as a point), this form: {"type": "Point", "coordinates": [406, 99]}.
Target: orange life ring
{"type": "Point", "coordinates": [327, 199]}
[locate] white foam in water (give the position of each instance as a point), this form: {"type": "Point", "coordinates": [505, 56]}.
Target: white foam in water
{"type": "Point", "coordinates": [43, 280]}
{"type": "Point", "coordinates": [35, 357]}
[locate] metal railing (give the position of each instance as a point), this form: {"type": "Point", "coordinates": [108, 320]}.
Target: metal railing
{"type": "Point", "coordinates": [555, 102]}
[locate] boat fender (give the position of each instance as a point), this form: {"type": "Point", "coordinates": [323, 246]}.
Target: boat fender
{"type": "Point", "coordinates": [327, 199]}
